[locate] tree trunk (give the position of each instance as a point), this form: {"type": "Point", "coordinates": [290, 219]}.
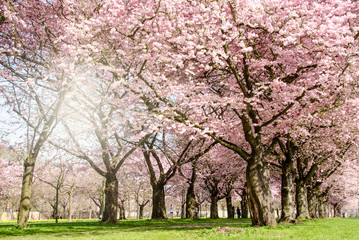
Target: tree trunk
{"type": "Point", "coordinates": [321, 208]}
{"type": "Point", "coordinates": [56, 208]}
{"type": "Point", "coordinates": [24, 209]}
{"type": "Point", "coordinates": [337, 210]}
{"type": "Point", "coordinates": [142, 206]}
{"type": "Point", "coordinates": [122, 214]}
{"type": "Point", "coordinates": [158, 202]}
{"type": "Point", "coordinates": [302, 202]}
{"type": "Point", "coordinates": [103, 199]}
{"type": "Point", "coordinates": [244, 204]}
{"type": "Point", "coordinates": [70, 204]}
{"type": "Point", "coordinates": [111, 192]}
{"type": "Point", "coordinates": [313, 205]}
{"type": "Point", "coordinates": [259, 192]}
{"type": "Point", "coordinates": [190, 202]}
{"type": "Point", "coordinates": [326, 209]}
{"type": "Point", "coordinates": [288, 192]}
{"type": "Point", "coordinates": [230, 208]}
{"type": "Point", "coordinates": [214, 207]}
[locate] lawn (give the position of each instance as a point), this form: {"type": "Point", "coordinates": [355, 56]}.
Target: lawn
{"type": "Point", "coordinates": [235, 229]}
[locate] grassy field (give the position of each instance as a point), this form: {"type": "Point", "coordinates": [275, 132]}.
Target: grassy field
{"type": "Point", "coordinates": [235, 229]}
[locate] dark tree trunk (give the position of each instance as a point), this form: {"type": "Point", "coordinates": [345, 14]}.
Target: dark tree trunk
{"type": "Point", "coordinates": [24, 209]}
{"type": "Point", "coordinates": [111, 199]}
{"type": "Point", "coordinates": [337, 210]}
{"type": "Point", "coordinates": [259, 191]}
{"type": "Point", "coordinates": [244, 204]}
{"type": "Point", "coordinates": [230, 209]}
{"type": "Point", "coordinates": [142, 206]}
{"type": "Point", "coordinates": [56, 207]}
{"type": "Point", "coordinates": [190, 202]}
{"type": "Point", "coordinates": [158, 202]}
{"type": "Point", "coordinates": [214, 207]}
{"type": "Point", "coordinates": [122, 213]}
{"type": "Point", "coordinates": [302, 202]}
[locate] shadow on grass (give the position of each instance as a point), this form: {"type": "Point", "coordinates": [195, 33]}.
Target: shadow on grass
{"type": "Point", "coordinates": [97, 228]}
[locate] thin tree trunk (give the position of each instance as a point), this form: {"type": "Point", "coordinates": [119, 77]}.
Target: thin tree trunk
{"type": "Point", "coordinates": [56, 209]}
{"type": "Point", "coordinates": [259, 192]}
{"type": "Point", "coordinates": [230, 210]}
{"type": "Point", "coordinates": [111, 192]}
{"type": "Point", "coordinates": [244, 204]}
{"type": "Point", "coordinates": [24, 209]}
{"type": "Point", "coordinates": [321, 208]}
{"type": "Point", "coordinates": [70, 204]}
{"type": "Point", "coordinates": [302, 202]}
{"type": "Point", "coordinates": [214, 207]}
{"type": "Point", "coordinates": [122, 214]}
{"type": "Point", "coordinates": [158, 202]}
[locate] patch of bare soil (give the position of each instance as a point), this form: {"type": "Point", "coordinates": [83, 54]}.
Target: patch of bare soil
{"type": "Point", "coordinates": [228, 229]}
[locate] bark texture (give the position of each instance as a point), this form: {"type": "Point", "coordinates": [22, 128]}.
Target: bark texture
{"type": "Point", "coordinates": [158, 202]}
{"type": "Point", "coordinates": [302, 202]}
{"type": "Point", "coordinates": [288, 180]}
{"type": "Point", "coordinates": [24, 210]}
{"type": "Point", "coordinates": [313, 206]}
{"type": "Point", "coordinates": [244, 204]}
{"type": "Point", "coordinates": [214, 207]}
{"type": "Point", "coordinates": [259, 192]}
{"type": "Point", "coordinates": [111, 199]}
{"type": "Point", "coordinates": [190, 202]}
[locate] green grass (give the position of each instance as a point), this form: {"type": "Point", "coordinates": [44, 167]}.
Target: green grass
{"type": "Point", "coordinates": [235, 229]}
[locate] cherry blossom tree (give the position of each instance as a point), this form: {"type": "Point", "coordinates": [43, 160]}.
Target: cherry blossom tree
{"type": "Point", "coordinates": [248, 74]}
{"type": "Point", "coordinates": [34, 76]}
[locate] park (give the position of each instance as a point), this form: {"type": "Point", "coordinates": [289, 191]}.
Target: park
{"type": "Point", "coordinates": [188, 119]}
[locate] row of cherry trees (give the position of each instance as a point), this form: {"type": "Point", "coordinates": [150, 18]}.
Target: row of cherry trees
{"type": "Point", "coordinates": [170, 82]}
{"type": "Point", "coordinates": [63, 188]}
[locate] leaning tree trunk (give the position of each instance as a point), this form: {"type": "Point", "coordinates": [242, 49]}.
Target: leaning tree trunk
{"type": "Point", "coordinates": [230, 210]}
{"type": "Point", "coordinates": [259, 191]}
{"type": "Point", "coordinates": [142, 206]}
{"type": "Point", "coordinates": [302, 201]}
{"type": "Point", "coordinates": [158, 202]}
{"type": "Point", "coordinates": [288, 192]}
{"type": "Point", "coordinates": [190, 202]}
{"type": "Point", "coordinates": [24, 209]}
{"type": "Point", "coordinates": [214, 207]}
{"type": "Point", "coordinates": [111, 199]}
